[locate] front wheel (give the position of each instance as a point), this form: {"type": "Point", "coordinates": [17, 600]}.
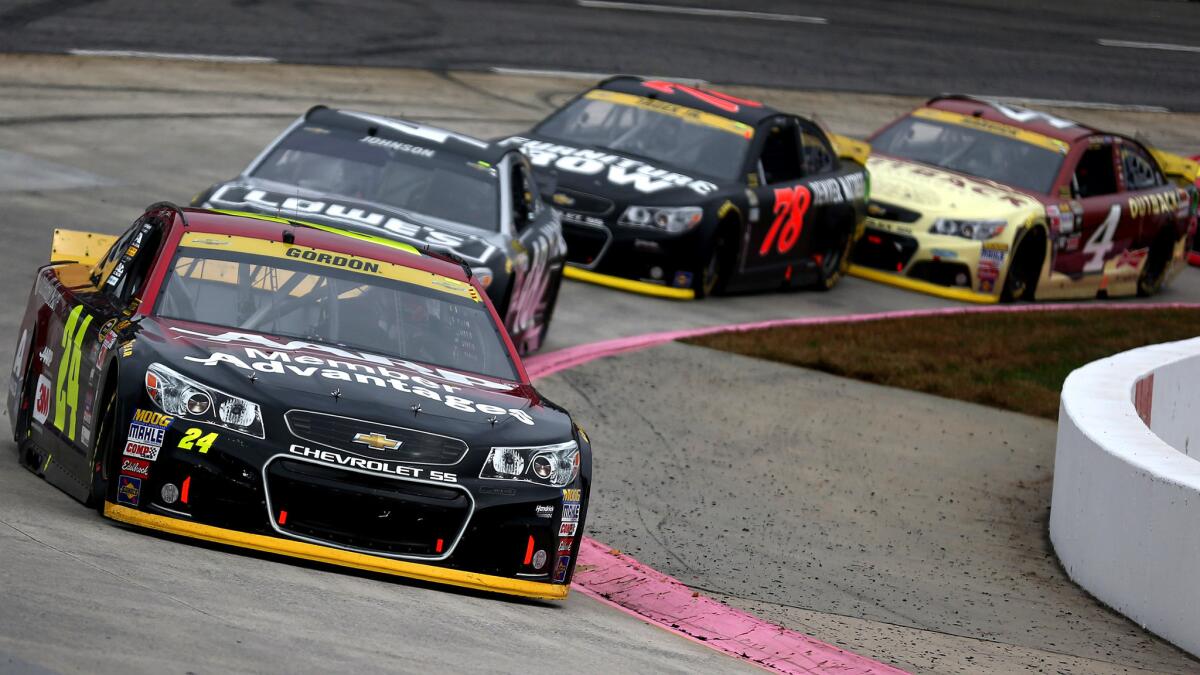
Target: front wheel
{"type": "Point", "coordinates": [101, 458]}
{"type": "Point", "coordinates": [1021, 281]}
{"type": "Point", "coordinates": [713, 273]}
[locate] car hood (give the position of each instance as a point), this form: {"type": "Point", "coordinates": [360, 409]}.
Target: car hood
{"type": "Point", "coordinates": [282, 374]}
{"type": "Point", "coordinates": [277, 199]}
{"type": "Point", "coordinates": [622, 178]}
{"type": "Point", "coordinates": [937, 192]}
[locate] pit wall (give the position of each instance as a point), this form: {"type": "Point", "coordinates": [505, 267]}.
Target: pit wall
{"type": "Point", "coordinates": [1125, 512]}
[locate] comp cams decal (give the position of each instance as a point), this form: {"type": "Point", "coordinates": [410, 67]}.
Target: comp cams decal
{"type": "Point", "coordinates": [620, 171]}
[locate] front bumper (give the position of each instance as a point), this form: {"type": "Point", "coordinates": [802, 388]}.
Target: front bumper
{"type": "Point", "coordinates": [333, 556]}
{"type": "Point", "coordinates": [634, 260]}
{"type": "Point", "coordinates": [944, 266]}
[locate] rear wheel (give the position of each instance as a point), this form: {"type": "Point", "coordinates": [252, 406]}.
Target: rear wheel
{"type": "Point", "coordinates": [1154, 272]}
{"type": "Point", "coordinates": [1021, 281]}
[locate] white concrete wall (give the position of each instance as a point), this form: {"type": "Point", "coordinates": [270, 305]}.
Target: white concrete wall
{"type": "Point", "coordinates": [1125, 512]}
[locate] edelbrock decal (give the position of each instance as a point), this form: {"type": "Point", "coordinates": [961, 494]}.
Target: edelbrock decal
{"type": "Point", "coordinates": [620, 171]}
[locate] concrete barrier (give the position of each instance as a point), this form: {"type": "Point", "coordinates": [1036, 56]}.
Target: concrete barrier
{"type": "Point", "coordinates": [1125, 512]}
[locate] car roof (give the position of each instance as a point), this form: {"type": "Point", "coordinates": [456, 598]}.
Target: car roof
{"type": "Point", "coordinates": [405, 131]}
{"type": "Point", "coordinates": [1052, 126]}
{"type": "Point", "coordinates": [308, 235]}
{"type": "Point", "coordinates": [689, 96]}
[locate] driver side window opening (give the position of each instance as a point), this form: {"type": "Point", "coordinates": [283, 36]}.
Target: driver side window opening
{"type": "Point", "coordinates": [1095, 174]}
{"type": "Point", "coordinates": [817, 155]}
{"type": "Point", "coordinates": [1140, 171]}
{"type": "Point", "coordinates": [524, 206]}
{"type": "Point", "coordinates": [779, 161]}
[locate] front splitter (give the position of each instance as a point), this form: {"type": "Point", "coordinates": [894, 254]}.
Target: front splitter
{"type": "Point", "coordinates": [333, 556]}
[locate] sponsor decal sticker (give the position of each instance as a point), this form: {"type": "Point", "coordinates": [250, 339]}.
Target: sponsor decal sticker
{"type": "Point", "coordinates": [570, 512]}
{"type": "Point", "coordinates": [146, 434]}
{"type": "Point", "coordinates": [567, 529]}
{"type": "Point", "coordinates": [147, 452]}
{"type": "Point", "coordinates": [129, 490]}
{"type": "Point", "coordinates": [539, 559]}
{"type": "Point", "coordinates": [544, 510]}
{"type": "Point", "coordinates": [683, 279]}
{"type": "Point", "coordinates": [41, 399]}
{"type": "Point", "coordinates": [565, 544]}
{"type": "Point", "coordinates": [560, 569]}
{"type": "Point", "coordinates": [571, 494]}
{"type": "Point", "coordinates": [152, 418]}
{"type": "Point", "coordinates": [47, 356]}
{"type": "Point", "coordinates": [376, 466]}
{"type": "Point", "coordinates": [993, 255]}
{"type": "Point", "coordinates": [135, 467]}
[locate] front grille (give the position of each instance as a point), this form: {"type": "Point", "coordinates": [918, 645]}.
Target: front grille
{"type": "Point", "coordinates": [335, 431]}
{"type": "Point", "coordinates": [582, 202]}
{"type": "Point", "coordinates": [358, 511]}
{"type": "Point", "coordinates": [885, 211]}
{"type": "Point", "coordinates": [942, 273]}
{"type": "Point", "coordinates": [585, 244]}
{"type": "Point", "coordinates": [884, 250]}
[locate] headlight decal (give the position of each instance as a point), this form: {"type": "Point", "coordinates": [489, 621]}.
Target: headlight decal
{"type": "Point", "coordinates": [186, 398]}
{"type": "Point", "coordinates": [673, 219]}
{"type": "Point", "coordinates": [554, 465]}
{"type": "Point", "coordinates": [978, 230]}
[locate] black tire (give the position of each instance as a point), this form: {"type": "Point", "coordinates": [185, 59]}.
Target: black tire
{"type": "Point", "coordinates": [834, 259]}
{"type": "Point", "coordinates": [101, 457]}
{"type": "Point", "coordinates": [20, 425]}
{"type": "Point", "coordinates": [1020, 283]}
{"type": "Point", "coordinates": [1154, 272]}
{"type": "Point", "coordinates": [711, 277]}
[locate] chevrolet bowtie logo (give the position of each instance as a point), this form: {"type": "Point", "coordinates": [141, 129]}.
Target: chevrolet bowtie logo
{"type": "Point", "coordinates": [377, 441]}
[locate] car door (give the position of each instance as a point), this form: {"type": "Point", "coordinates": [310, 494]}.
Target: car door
{"type": "Point", "coordinates": [1104, 228]}
{"type": "Point", "coordinates": [795, 176]}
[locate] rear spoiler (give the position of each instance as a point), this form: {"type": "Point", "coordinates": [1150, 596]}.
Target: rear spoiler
{"type": "Point", "coordinates": [85, 248]}
{"type": "Point", "coordinates": [849, 148]}
{"type": "Point", "coordinates": [1180, 169]}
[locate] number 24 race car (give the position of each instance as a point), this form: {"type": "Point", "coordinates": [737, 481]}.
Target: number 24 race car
{"type": "Point", "coordinates": [281, 387]}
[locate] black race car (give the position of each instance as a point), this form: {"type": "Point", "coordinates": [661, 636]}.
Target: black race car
{"type": "Point", "coordinates": [421, 185]}
{"type": "Point", "coordinates": [676, 191]}
{"type": "Point", "coordinates": [276, 386]}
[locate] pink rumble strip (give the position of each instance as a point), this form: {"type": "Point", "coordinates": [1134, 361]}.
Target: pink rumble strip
{"type": "Point", "coordinates": [632, 587]}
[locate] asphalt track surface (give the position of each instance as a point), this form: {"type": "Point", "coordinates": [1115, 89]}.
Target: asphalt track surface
{"type": "Point", "coordinates": [1023, 48]}
{"type": "Point", "coordinates": [86, 143]}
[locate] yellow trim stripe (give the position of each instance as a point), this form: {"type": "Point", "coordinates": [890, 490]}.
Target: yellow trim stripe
{"type": "Point", "coordinates": [997, 128]}
{"type": "Point", "coordinates": [333, 556]}
{"type": "Point", "coordinates": [629, 284]}
{"type": "Point", "coordinates": [382, 241]}
{"type": "Point", "coordinates": [682, 112]}
{"type": "Point", "coordinates": [320, 257]}
{"type": "Point", "coordinates": [962, 294]}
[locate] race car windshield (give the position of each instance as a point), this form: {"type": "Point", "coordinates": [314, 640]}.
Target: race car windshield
{"type": "Point", "coordinates": [416, 319]}
{"type": "Point", "coordinates": [716, 148]}
{"type": "Point", "coordinates": [971, 151]}
{"type": "Point", "coordinates": [413, 177]}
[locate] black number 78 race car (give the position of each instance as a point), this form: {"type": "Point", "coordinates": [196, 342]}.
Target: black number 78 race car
{"type": "Point", "coordinates": [680, 192]}
{"type": "Point", "coordinates": [287, 388]}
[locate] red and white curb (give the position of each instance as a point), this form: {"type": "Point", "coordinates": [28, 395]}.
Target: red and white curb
{"type": "Point", "coordinates": [637, 589]}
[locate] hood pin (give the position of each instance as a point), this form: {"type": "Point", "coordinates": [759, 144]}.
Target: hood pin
{"type": "Point", "coordinates": [253, 377]}
{"type": "Point", "coordinates": [336, 393]}
{"type": "Point", "coordinates": [493, 420]}
{"type": "Point", "coordinates": [416, 407]}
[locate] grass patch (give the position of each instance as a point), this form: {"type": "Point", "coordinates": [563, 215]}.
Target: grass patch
{"type": "Point", "coordinates": [1014, 361]}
